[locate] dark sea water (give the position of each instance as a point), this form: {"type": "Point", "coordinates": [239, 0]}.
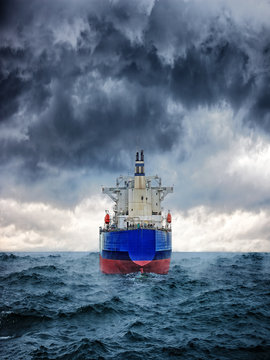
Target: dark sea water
{"type": "Point", "coordinates": [209, 306]}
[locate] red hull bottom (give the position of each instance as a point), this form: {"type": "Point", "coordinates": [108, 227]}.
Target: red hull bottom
{"type": "Point", "coordinates": [108, 266]}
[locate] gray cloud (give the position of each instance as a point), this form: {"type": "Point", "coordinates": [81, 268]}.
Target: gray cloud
{"type": "Point", "coordinates": [82, 82]}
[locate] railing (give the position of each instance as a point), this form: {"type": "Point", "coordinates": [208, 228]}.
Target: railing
{"type": "Point", "coordinates": [134, 227]}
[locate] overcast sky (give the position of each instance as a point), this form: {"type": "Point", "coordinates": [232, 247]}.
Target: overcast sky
{"type": "Point", "coordinates": [84, 84]}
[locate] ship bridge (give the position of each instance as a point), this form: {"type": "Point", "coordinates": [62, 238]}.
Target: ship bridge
{"type": "Point", "coordinates": [138, 199]}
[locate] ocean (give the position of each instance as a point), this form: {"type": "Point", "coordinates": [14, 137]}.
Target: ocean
{"type": "Point", "coordinates": [209, 306]}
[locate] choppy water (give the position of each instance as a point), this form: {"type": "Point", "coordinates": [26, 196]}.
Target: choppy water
{"type": "Point", "coordinates": [209, 306]}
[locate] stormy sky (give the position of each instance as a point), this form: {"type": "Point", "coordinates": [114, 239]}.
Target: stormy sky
{"type": "Point", "coordinates": [84, 84]}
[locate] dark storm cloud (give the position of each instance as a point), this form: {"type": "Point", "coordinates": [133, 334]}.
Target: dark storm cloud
{"type": "Point", "coordinates": [210, 74]}
{"type": "Point", "coordinates": [261, 108]}
{"type": "Point", "coordinates": [82, 99]}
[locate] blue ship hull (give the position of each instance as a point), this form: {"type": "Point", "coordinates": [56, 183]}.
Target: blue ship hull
{"type": "Point", "coordinates": [145, 250]}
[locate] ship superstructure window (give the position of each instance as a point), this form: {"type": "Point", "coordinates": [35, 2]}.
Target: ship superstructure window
{"type": "Point", "coordinates": [142, 197]}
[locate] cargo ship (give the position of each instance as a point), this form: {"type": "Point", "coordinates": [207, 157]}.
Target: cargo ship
{"type": "Point", "coordinates": [137, 238]}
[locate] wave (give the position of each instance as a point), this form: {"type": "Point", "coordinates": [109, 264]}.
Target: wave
{"type": "Point", "coordinates": [206, 307]}
{"type": "Point", "coordinates": [137, 354]}
{"type": "Point", "coordinates": [114, 305]}
{"type": "Point", "coordinates": [47, 269]}
{"type": "Point", "coordinates": [82, 349]}
{"type": "Point", "coordinates": [5, 337]}
{"type": "Point", "coordinates": [44, 268]}
{"type": "Point", "coordinates": [24, 277]}
{"type": "Point", "coordinates": [12, 257]}
{"type": "Point", "coordinates": [132, 335]}
{"type": "Point", "coordinates": [16, 322]}
{"type": "Point", "coordinates": [253, 256]}
{"type": "Point", "coordinates": [27, 277]}
{"type": "Point", "coordinates": [136, 324]}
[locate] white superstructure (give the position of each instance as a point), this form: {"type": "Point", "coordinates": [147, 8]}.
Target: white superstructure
{"type": "Point", "coordinates": [138, 198]}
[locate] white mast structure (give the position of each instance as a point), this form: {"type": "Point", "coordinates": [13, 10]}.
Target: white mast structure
{"type": "Point", "coordinates": [137, 202]}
